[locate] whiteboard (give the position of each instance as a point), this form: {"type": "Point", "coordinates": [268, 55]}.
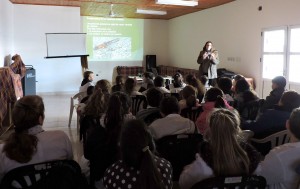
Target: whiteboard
{"type": "Point", "coordinates": [65, 44]}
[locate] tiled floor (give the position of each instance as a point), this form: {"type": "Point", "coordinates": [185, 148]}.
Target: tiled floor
{"type": "Point", "coordinates": [57, 111]}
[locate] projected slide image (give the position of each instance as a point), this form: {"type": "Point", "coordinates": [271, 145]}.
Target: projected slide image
{"type": "Point", "coordinates": [112, 48]}
{"type": "Point", "coordinates": [114, 39]}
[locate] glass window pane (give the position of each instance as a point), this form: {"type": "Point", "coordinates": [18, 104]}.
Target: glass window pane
{"type": "Point", "coordinates": [295, 40]}
{"type": "Point", "coordinates": [272, 66]}
{"type": "Point", "coordinates": [294, 75]}
{"type": "Point", "coordinates": [274, 41]}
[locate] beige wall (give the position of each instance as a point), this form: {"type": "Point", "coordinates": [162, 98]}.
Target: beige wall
{"type": "Point", "coordinates": [234, 28]}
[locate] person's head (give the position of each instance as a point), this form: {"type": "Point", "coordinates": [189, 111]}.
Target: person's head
{"type": "Point", "coordinates": [104, 85]}
{"type": "Point", "coordinates": [196, 83]}
{"type": "Point", "coordinates": [119, 80]}
{"type": "Point", "coordinates": [212, 94]}
{"type": "Point", "coordinates": [147, 76]}
{"type": "Point", "coordinates": [27, 113]}
{"type": "Point", "coordinates": [154, 97]}
{"type": "Point", "coordinates": [88, 75]}
{"type": "Point", "coordinates": [235, 79]}
{"type": "Point", "coordinates": [188, 78]}
{"type": "Point", "coordinates": [178, 79]}
{"type": "Point", "coordinates": [137, 147]}
{"type": "Point", "coordinates": [130, 85]}
{"type": "Point", "coordinates": [96, 105]}
{"type": "Point", "coordinates": [278, 82]}
{"type": "Point", "coordinates": [208, 46]}
{"type": "Point", "coordinates": [225, 84]}
{"type": "Point", "coordinates": [169, 105]}
{"type": "Point", "coordinates": [159, 81]}
{"type": "Point", "coordinates": [293, 123]}
{"type": "Point", "coordinates": [223, 136]}
{"type": "Point", "coordinates": [118, 105]}
{"type": "Point", "coordinates": [289, 100]}
{"type": "Point", "coordinates": [242, 85]}
{"type": "Point", "coordinates": [188, 91]}
{"type": "Point", "coordinates": [90, 90]}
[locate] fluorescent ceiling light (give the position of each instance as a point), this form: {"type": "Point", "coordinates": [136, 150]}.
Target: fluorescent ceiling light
{"type": "Point", "coordinates": [144, 11]}
{"type": "Point", "coordinates": [178, 2]}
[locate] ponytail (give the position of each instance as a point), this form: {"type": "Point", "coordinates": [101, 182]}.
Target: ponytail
{"type": "Point", "coordinates": [150, 177]}
{"type": "Point", "coordinates": [20, 147]}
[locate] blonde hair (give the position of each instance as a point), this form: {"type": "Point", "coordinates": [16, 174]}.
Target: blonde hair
{"type": "Point", "coordinates": [224, 131]}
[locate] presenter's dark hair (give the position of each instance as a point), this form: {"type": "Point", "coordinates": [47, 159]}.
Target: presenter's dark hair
{"type": "Point", "coordinates": [27, 113]}
{"type": "Point", "coordinates": [204, 47]}
{"type": "Point", "coordinates": [137, 149]}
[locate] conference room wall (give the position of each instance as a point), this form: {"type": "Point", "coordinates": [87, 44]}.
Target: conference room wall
{"type": "Point", "coordinates": [31, 22]}
{"type": "Point", "coordinates": [6, 31]}
{"type": "Point", "coordinates": [235, 29]}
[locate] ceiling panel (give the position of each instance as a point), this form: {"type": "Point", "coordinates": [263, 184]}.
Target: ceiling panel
{"type": "Point", "coordinates": [126, 8]}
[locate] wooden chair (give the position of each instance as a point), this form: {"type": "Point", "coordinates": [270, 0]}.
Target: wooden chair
{"type": "Point", "coordinates": [179, 149]}
{"type": "Point", "coordinates": [239, 182]}
{"type": "Point", "coordinates": [137, 103]}
{"type": "Point", "coordinates": [57, 174]}
{"type": "Point", "coordinates": [192, 113]}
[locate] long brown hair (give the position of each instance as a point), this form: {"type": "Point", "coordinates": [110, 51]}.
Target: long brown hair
{"type": "Point", "coordinates": [137, 148]}
{"type": "Point", "coordinates": [223, 135]}
{"type": "Point", "coordinates": [20, 146]}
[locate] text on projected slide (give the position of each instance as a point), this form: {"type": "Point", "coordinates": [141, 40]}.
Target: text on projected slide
{"type": "Point", "coordinates": [111, 39]}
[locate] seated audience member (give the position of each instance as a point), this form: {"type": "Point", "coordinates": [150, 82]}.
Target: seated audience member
{"type": "Point", "coordinates": [29, 143]}
{"type": "Point", "coordinates": [223, 154]}
{"type": "Point", "coordinates": [242, 96]}
{"type": "Point", "coordinates": [280, 164]}
{"type": "Point", "coordinates": [119, 101]}
{"type": "Point", "coordinates": [105, 86]}
{"type": "Point", "coordinates": [189, 97]}
{"type": "Point", "coordinates": [236, 78]}
{"type": "Point", "coordinates": [130, 87]}
{"type": "Point", "coordinates": [225, 84]}
{"type": "Point", "coordinates": [204, 80]}
{"type": "Point", "coordinates": [88, 77]}
{"type": "Point", "coordinates": [213, 99]}
{"type": "Point", "coordinates": [171, 123]}
{"type": "Point", "coordinates": [177, 84]}
{"type": "Point", "coordinates": [273, 120]}
{"type": "Point", "coordinates": [102, 145]}
{"type": "Point", "coordinates": [89, 92]}
{"type": "Point", "coordinates": [119, 86]}
{"type": "Point", "coordinates": [91, 113]}
{"type": "Point", "coordinates": [147, 81]}
{"type": "Point", "coordinates": [278, 87]}
{"type": "Point", "coordinates": [160, 85]}
{"type": "Point", "coordinates": [154, 97]}
{"type": "Point", "coordinates": [196, 83]}
{"type": "Point", "coordinates": [138, 167]}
